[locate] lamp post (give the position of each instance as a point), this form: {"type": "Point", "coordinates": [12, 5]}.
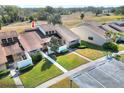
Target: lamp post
{"type": "Point", "coordinates": [70, 83]}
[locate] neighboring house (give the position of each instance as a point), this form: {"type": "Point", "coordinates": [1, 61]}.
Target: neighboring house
{"type": "Point", "coordinates": [106, 11]}
{"type": "Point", "coordinates": [11, 51]}
{"type": "Point", "coordinates": [67, 36]}
{"type": "Point", "coordinates": [31, 41]}
{"type": "Point", "coordinates": [90, 33]}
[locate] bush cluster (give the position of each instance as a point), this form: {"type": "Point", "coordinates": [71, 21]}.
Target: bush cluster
{"type": "Point", "coordinates": [26, 68]}
{"type": "Point", "coordinates": [36, 57]}
{"type": "Point", "coordinates": [4, 73]}
{"type": "Point", "coordinates": [110, 46]}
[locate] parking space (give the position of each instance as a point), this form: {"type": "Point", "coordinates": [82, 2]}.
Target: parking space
{"type": "Point", "coordinates": [106, 74]}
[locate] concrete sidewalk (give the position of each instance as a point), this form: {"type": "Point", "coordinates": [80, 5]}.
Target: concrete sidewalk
{"type": "Point", "coordinates": [69, 73]}
{"type": "Point", "coordinates": [82, 56]}
{"type": "Point", "coordinates": [16, 78]}
{"type": "Point", "coordinates": [54, 62]}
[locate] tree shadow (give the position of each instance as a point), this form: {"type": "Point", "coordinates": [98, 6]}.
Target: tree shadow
{"type": "Point", "coordinates": [47, 64]}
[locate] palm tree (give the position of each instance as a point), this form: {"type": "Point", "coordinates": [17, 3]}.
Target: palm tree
{"type": "Point", "coordinates": [111, 36]}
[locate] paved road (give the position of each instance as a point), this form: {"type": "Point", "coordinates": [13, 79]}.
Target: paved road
{"type": "Point", "coordinates": [69, 73]}
{"type": "Point", "coordinates": [16, 79]}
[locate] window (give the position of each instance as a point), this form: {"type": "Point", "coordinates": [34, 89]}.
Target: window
{"type": "Point", "coordinates": [10, 40]}
{"type": "Point", "coordinates": [4, 41]}
{"type": "Point", "coordinates": [46, 33]}
{"type": "Point", "coordinates": [15, 39]}
{"type": "Point", "coordinates": [52, 32]}
{"type": "Point", "coordinates": [90, 38]}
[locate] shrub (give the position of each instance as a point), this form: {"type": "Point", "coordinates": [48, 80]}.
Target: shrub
{"type": "Point", "coordinates": [74, 46]}
{"type": "Point", "coordinates": [36, 57]}
{"type": "Point", "coordinates": [117, 57]}
{"type": "Point", "coordinates": [64, 51]}
{"type": "Point", "coordinates": [110, 46]}
{"type": "Point", "coordinates": [26, 68]}
{"type": "Point", "coordinates": [82, 47]}
{"type": "Point", "coordinates": [4, 73]}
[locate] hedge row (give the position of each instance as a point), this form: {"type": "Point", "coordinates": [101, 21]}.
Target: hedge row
{"type": "Point", "coordinates": [4, 73]}
{"type": "Point", "coordinates": [26, 68]}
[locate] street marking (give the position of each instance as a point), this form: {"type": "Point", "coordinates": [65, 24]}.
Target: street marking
{"type": "Point", "coordinates": [95, 80]}
{"type": "Point", "coordinates": [108, 74]}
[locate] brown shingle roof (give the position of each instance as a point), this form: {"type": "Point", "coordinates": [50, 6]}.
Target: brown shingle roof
{"type": "Point", "coordinates": [47, 27]}
{"type": "Point", "coordinates": [13, 49]}
{"type": "Point", "coordinates": [32, 41]}
{"type": "Point", "coordinates": [3, 59]}
{"type": "Point", "coordinates": [62, 31]}
{"type": "Point", "coordinates": [8, 34]}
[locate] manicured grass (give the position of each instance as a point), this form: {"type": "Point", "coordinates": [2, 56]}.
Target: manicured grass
{"type": "Point", "coordinates": [41, 73]}
{"type": "Point", "coordinates": [104, 19]}
{"type": "Point", "coordinates": [72, 20]}
{"type": "Point", "coordinates": [120, 47]}
{"type": "Point", "coordinates": [19, 27]}
{"type": "Point", "coordinates": [65, 83]}
{"type": "Point", "coordinates": [122, 58]}
{"type": "Point", "coordinates": [7, 82]}
{"type": "Point", "coordinates": [71, 61]}
{"type": "Point", "coordinates": [92, 52]}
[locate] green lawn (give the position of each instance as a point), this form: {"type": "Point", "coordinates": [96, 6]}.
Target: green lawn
{"type": "Point", "coordinates": [93, 52]}
{"type": "Point", "coordinates": [7, 82]}
{"type": "Point", "coordinates": [122, 57]}
{"type": "Point", "coordinates": [104, 19]}
{"type": "Point", "coordinates": [121, 47]}
{"type": "Point", "coordinates": [42, 72]}
{"type": "Point", "coordinates": [71, 61]}
{"type": "Point", "coordinates": [65, 83]}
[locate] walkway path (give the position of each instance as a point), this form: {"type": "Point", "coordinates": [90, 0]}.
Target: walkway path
{"type": "Point", "coordinates": [16, 78]}
{"type": "Point", "coordinates": [54, 62]}
{"type": "Point", "coordinates": [82, 56]}
{"type": "Point", "coordinates": [69, 73]}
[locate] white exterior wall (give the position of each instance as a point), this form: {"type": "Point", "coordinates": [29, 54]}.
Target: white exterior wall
{"type": "Point", "coordinates": [72, 43]}
{"type": "Point", "coordinates": [84, 34]}
{"type": "Point", "coordinates": [26, 62]}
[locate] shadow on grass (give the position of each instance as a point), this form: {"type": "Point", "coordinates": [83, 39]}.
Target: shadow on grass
{"type": "Point", "coordinates": [47, 64]}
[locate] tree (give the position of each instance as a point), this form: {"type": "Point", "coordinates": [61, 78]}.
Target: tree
{"type": "Point", "coordinates": [0, 25]}
{"type": "Point", "coordinates": [54, 19]}
{"type": "Point", "coordinates": [110, 46]}
{"type": "Point", "coordinates": [111, 36]}
{"type": "Point", "coordinates": [31, 18]}
{"type": "Point", "coordinates": [82, 16]}
{"type": "Point", "coordinates": [49, 9]}
{"type": "Point", "coordinates": [54, 43]}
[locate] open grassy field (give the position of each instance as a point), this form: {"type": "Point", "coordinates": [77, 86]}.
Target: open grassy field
{"type": "Point", "coordinates": [41, 72]}
{"type": "Point", "coordinates": [7, 82]}
{"type": "Point", "coordinates": [92, 51]}
{"type": "Point", "coordinates": [104, 19]}
{"type": "Point", "coordinates": [19, 27]}
{"type": "Point", "coordinates": [71, 61]}
{"type": "Point", "coordinates": [65, 83]}
{"type": "Point", "coordinates": [72, 20]}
